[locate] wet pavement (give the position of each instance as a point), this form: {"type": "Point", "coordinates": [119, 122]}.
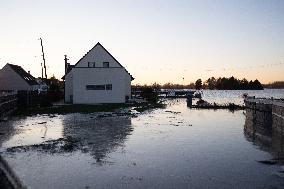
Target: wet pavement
{"type": "Point", "coordinates": [176, 147]}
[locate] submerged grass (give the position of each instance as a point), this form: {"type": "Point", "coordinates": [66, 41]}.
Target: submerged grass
{"type": "Point", "coordinates": [82, 108]}
{"type": "Point", "coordinates": [69, 109]}
{"type": "Point", "coordinates": [145, 107]}
{"type": "Point", "coordinates": [229, 106]}
{"type": "Point", "coordinates": [61, 145]}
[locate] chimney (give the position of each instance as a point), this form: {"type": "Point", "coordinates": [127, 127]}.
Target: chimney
{"type": "Point", "coordinates": [66, 64]}
{"type": "Point", "coordinates": [29, 72]}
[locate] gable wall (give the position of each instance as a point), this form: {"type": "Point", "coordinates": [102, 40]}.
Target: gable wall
{"type": "Point", "coordinates": [98, 55]}
{"type": "Point", "coordinates": [10, 80]}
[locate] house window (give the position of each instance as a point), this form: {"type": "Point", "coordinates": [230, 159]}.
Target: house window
{"type": "Point", "coordinates": [106, 64]}
{"type": "Point", "coordinates": [99, 87]}
{"type": "Point", "coordinates": [91, 64]}
{"type": "Point", "coordinates": [109, 87]}
{"type": "Point", "coordinates": [95, 87]}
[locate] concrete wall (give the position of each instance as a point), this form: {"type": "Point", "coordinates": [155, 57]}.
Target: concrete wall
{"type": "Point", "coordinates": [99, 76]}
{"type": "Point", "coordinates": [10, 80]}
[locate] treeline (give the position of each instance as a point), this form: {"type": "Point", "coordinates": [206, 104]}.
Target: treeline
{"type": "Point", "coordinates": [158, 86]}
{"type": "Point", "coordinates": [221, 83]}
{"type": "Point", "coordinates": [231, 83]}
{"type": "Point", "coordinates": [275, 85]}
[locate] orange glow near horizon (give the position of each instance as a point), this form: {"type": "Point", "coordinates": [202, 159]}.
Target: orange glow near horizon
{"type": "Point", "coordinates": [169, 41]}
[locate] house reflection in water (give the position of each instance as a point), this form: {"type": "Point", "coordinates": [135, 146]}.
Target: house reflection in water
{"type": "Point", "coordinates": [98, 136]}
{"type": "Point", "coordinates": [264, 138]}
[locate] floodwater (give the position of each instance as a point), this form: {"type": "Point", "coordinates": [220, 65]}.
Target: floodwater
{"type": "Point", "coordinates": [175, 147]}
{"type": "Point", "coordinates": [235, 96]}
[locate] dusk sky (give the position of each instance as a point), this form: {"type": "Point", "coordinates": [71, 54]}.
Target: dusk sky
{"type": "Point", "coordinates": [156, 41]}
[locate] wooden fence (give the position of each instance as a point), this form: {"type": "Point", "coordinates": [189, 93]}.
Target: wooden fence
{"type": "Point", "coordinates": [8, 103]}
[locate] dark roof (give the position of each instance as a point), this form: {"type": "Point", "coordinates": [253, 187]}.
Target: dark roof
{"type": "Point", "coordinates": [132, 78]}
{"type": "Point", "coordinates": [26, 76]}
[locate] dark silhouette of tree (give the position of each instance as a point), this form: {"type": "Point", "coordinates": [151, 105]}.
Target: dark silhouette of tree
{"type": "Point", "coordinates": [156, 86]}
{"type": "Point", "coordinates": [198, 84]}
{"type": "Point", "coordinates": [244, 84]}
{"type": "Point", "coordinates": [149, 94]}
{"type": "Point", "coordinates": [221, 83]}
{"type": "Point", "coordinates": [256, 85]}
{"type": "Point", "coordinates": [275, 85]}
{"type": "Point", "coordinates": [55, 91]}
{"type": "Point", "coordinates": [211, 83]}
{"type": "Point", "coordinates": [232, 83]}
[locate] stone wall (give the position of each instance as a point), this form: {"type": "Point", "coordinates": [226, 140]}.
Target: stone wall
{"type": "Point", "coordinates": [268, 114]}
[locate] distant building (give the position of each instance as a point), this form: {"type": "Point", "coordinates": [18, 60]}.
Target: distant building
{"type": "Point", "coordinates": [43, 87]}
{"type": "Point", "coordinates": [97, 78]}
{"type": "Point", "coordinates": [15, 78]}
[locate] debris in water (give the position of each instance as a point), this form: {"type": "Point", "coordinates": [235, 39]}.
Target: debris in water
{"type": "Point", "coordinates": [60, 145]}
{"type": "Point", "coordinates": [5, 119]}
{"type": "Point", "coordinates": [267, 162]}
{"type": "Point", "coordinates": [42, 122]}
{"type": "Point", "coordinates": [172, 112]}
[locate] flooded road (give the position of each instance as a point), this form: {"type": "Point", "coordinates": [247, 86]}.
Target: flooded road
{"type": "Point", "coordinates": [176, 147]}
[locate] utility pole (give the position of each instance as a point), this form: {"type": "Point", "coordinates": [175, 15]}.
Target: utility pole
{"type": "Point", "coordinates": [41, 70]}
{"type": "Point", "coordinates": [44, 66]}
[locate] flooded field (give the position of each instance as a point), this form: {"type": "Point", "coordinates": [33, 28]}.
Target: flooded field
{"type": "Point", "coordinates": [175, 147]}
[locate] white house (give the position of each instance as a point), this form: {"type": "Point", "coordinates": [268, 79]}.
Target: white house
{"type": "Point", "coordinates": [97, 78]}
{"type": "Point", "coordinates": [15, 78]}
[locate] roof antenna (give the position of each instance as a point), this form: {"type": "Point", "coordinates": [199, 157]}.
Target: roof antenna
{"type": "Point", "coordinates": [44, 66]}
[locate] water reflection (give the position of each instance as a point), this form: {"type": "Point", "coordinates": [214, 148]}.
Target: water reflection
{"type": "Point", "coordinates": [23, 131]}
{"type": "Point", "coordinates": [98, 136]}
{"type": "Point", "coordinates": [261, 136]}
{"type": "Point", "coordinates": [174, 147]}
{"type": "Point", "coordinates": [6, 132]}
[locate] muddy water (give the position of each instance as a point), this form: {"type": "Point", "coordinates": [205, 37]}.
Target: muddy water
{"type": "Point", "coordinates": [174, 147]}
